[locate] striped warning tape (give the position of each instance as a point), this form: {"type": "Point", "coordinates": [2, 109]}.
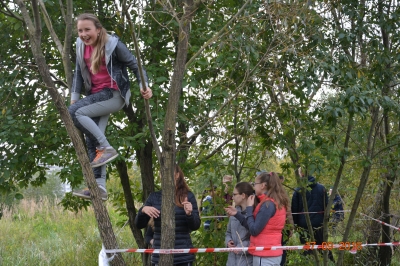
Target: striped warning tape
{"type": "Point", "coordinates": [352, 248]}
{"type": "Point", "coordinates": [379, 221]}
{"type": "Point", "coordinates": [224, 216]}
{"type": "Point", "coordinates": [332, 211]}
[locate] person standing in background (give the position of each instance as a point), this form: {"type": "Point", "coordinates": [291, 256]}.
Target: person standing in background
{"type": "Point", "coordinates": [207, 205]}
{"type": "Point", "coordinates": [317, 201]}
{"type": "Point", "coordinates": [187, 219]}
{"type": "Point", "coordinates": [237, 233]}
{"type": "Point", "coordinates": [338, 214]}
{"type": "Point", "coordinates": [268, 219]}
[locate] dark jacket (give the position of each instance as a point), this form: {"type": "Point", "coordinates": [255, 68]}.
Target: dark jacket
{"type": "Point", "coordinates": [317, 200]}
{"type": "Point", "coordinates": [117, 57]}
{"type": "Point", "coordinates": [337, 206]}
{"type": "Point", "coordinates": [184, 225]}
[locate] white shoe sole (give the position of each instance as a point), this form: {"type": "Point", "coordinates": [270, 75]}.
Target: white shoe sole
{"type": "Point", "coordinates": [80, 195]}
{"type": "Point", "coordinates": [86, 197]}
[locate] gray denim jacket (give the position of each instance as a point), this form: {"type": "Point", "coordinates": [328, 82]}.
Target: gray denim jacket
{"type": "Point", "coordinates": [117, 57]}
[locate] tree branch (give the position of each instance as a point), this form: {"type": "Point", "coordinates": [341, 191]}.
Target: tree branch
{"type": "Point", "coordinates": [49, 26]}
{"type": "Point", "coordinates": [9, 12]}
{"type": "Point", "coordinates": [144, 86]}
{"type": "Point", "coordinates": [216, 36]}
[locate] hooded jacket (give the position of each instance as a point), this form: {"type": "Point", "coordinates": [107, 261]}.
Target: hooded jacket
{"type": "Point", "coordinates": [337, 206]}
{"type": "Point", "coordinates": [317, 201]}
{"type": "Point", "coordinates": [117, 57]}
{"type": "Point", "coordinates": [184, 225]}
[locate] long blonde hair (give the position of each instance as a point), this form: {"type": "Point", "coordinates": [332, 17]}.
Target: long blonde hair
{"type": "Point", "coordinates": [99, 50]}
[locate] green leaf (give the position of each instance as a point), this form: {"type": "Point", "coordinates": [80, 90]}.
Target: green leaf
{"type": "Point", "coordinates": [19, 196]}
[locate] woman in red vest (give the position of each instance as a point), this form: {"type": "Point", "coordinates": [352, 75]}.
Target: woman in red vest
{"type": "Point", "coordinates": [268, 218]}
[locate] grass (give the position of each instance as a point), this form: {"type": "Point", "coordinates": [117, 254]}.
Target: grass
{"type": "Point", "coordinates": [44, 234]}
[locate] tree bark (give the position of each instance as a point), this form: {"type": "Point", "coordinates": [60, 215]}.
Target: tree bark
{"type": "Point", "coordinates": [145, 158]}
{"type": "Point", "coordinates": [385, 252]}
{"type": "Point", "coordinates": [130, 206]}
{"type": "Point", "coordinates": [337, 181]}
{"type": "Point", "coordinates": [363, 179]}
{"type": "Point", "coordinates": [169, 146]}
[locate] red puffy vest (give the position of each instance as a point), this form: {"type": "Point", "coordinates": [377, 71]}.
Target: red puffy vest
{"type": "Point", "coordinates": [271, 235]}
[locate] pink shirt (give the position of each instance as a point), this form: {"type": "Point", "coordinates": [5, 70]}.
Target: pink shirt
{"type": "Point", "coordinates": [101, 79]}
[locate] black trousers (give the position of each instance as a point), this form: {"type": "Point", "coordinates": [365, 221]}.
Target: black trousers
{"type": "Point", "coordinates": [285, 235]}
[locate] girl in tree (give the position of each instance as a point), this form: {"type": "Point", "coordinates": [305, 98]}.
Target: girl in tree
{"type": "Point", "coordinates": [237, 233]}
{"type": "Point", "coordinates": [101, 74]}
{"type": "Point", "coordinates": [187, 219]}
{"type": "Point", "coordinates": [267, 220]}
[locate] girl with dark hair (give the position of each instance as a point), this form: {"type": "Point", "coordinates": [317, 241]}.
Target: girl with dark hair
{"type": "Point", "coordinates": [101, 74]}
{"type": "Point", "coordinates": [237, 234]}
{"type": "Point", "coordinates": [187, 219]}
{"type": "Point", "coordinates": [267, 220]}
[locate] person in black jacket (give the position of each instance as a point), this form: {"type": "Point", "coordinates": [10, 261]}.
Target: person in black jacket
{"type": "Point", "coordinates": [317, 201]}
{"type": "Point", "coordinates": [338, 214]}
{"type": "Point", "coordinates": [187, 219]}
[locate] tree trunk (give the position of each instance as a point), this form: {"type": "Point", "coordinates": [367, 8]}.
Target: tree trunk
{"type": "Point", "coordinates": [336, 184]}
{"type": "Point", "coordinates": [385, 252]}
{"type": "Point", "coordinates": [130, 206]}
{"type": "Point", "coordinates": [372, 231]}
{"type": "Point", "coordinates": [144, 155]}
{"type": "Point", "coordinates": [363, 179]}
{"type": "Point", "coordinates": [169, 146]}
{"type": "Point", "coordinates": [145, 158]}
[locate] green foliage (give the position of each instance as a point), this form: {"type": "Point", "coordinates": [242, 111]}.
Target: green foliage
{"type": "Point", "coordinates": [74, 204]}
{"type": "Point", "coordinates": [215, 235]}
{"type": "Point", "coordinates": [284, 77]}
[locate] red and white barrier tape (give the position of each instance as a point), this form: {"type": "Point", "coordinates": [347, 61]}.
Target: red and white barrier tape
{"type": "Point", "coordinates": [225, 216]}
{"type": "Point", "coordinates": [351, 247]}
{"type": "Point", "coordinates": [332, 211]}
{"type": "Point", "coordinates": [379, 221]}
